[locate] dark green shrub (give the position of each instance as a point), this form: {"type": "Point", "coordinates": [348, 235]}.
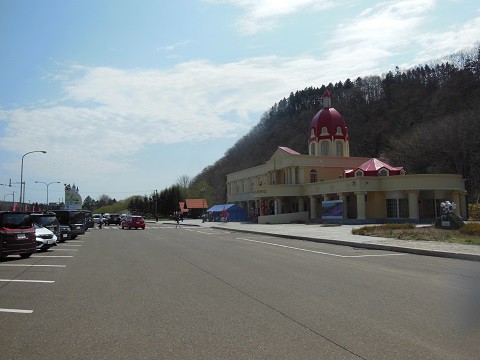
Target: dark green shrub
{"type": "Point", "coordinates": [472, 229]}
{"type": "Point", "coordinates": [474, 211]}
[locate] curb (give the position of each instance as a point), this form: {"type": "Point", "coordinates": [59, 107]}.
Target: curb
{"type": "Point", "coordinates": [436, 253]}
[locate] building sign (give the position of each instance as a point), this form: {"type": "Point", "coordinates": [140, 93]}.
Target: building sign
{"type": "Point", "coordinates": [332, 209]}
{"type": "Point", "coordinates": [260, 191]}
{"type": "Point", "coordinates": [73, 200]}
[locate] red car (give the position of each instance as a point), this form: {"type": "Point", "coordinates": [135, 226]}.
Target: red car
{"type": "Point", "coordinates": [133, 222]}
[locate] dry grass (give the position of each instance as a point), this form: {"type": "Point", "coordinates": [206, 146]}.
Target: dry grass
{"type": "Point", "coordinates": [407, 232]}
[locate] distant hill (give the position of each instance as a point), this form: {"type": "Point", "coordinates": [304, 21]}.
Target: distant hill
{"type": "Point", "coordinates": [425, 119]}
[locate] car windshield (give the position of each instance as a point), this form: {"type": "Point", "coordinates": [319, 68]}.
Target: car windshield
{"type": "Point", "coordinates": [63, 217]}
{"type": "Point", "coordinates": [16, 221]}
{"type": "Point", "coordinates": [45, 220]}
{"type": "Point", "coordinates": [77, 217]}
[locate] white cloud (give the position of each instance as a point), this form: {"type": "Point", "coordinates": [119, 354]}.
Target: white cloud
{"type": "Point", "coordinates": [440, 44]}
{"type": "Point", "coordinates": [266, 14]}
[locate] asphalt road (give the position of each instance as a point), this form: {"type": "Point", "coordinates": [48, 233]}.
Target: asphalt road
{"type": "Point", "coordinates": [195, 293]}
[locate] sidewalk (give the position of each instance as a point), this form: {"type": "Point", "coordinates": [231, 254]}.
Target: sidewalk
{"type": "Point", "coordinates": [342, 235]}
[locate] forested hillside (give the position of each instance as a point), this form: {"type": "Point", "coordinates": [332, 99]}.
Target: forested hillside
{"type": "Point", "coordinates": [425, 119]}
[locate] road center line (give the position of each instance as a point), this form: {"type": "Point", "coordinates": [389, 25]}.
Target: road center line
{"type": "Point", "coordinates": [28, 281]}
{"type": "Point", "coordinates": [314, 251]}
{"type": "Point", "coordinates": [18, 311]}
{"type": "Point", "coordinates": [34, 265]}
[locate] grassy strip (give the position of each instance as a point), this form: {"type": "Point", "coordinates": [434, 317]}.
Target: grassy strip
{"type": "Point", "coordinates": [467, 235]}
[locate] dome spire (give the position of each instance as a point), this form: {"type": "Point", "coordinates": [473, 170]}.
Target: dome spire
{"type": "Point", "coordinates": [327, 99]}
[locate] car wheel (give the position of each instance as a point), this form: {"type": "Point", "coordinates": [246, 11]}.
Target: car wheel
{"type": "Point", "coordinates": [26, 255]}
{"type": "Point", "coordinates": [123, 227]}
{"type": "Point", "coordinates": [143, 228]}
{"type": "Point", "coordinates": [129, 228]}
{"type": "Point", "coordinates": [73, 237]}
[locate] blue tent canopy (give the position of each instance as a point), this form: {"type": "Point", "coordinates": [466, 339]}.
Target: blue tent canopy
{"type": "Point", "coordinates": [235, 212]}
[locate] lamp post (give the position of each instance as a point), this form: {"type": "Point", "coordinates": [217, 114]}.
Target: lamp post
{"type": "Point", "coordinates": [202, 190]}
{"type": "Point", "coordinates": [53, 182]}
{"type": "Point", "coordinates": [22, 195]}
{"type": "Point", "coordinates": [13, 198]}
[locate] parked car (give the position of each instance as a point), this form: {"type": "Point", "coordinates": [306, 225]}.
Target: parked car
{"type": "Point", "coordinates": [114, 219]}
{"type": "Point", "coordinates": [50, 221]}
{"type": "Point", "coordinates": [133, 222]}
{"type": "Point", "coordinates": [17, 234]}
{"type": "Point", "coordinates": [44, 237]}
{"type": "Point", "coordinates": [89, 223]}
{"type": "Point", "coordinates": [75, 219]}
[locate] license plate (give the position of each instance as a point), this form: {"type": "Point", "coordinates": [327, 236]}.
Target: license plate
{"type": "Point", "coordinates": [21, 236]}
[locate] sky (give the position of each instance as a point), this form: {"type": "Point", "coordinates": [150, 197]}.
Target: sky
{"type": "Point", "coordinates": [127, 96]}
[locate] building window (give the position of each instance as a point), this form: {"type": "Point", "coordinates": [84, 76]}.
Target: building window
{"type": "Point", "coordinates": [312, 148]}
{"type": "Point", "coordinates": [312, 134]}
{"type": "Point", "coordinates": [383, 172]}
{"type": "Point", "coordinates": [339, 148]}
{"type": "Point", "coordinates": [237, 189]}
{"type": "Point", "coordinates": [339, 131]}
{"type": "Point", "coordinates": [325, 148]}
{"type": "Point", "coordinates": [397, 208]}
{"type": "Point", "coordinates": [324, 131]}
{"type": "Point", "coordinates": [358, 173]}
{"type": "Point", "coordinates": [313, 176]}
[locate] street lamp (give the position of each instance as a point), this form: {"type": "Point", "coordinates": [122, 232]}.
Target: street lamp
{"type": "Point", "coordinates": [22, 196]}
{"type": "Point", "coordinates": [13, 198]}
{"type": "Point", "coordinates": [53, 182]}
{"type": "Point", "coordinates": [202, 190]}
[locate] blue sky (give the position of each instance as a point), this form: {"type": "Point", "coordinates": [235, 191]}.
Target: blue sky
{"type": "Point", "coordinates": [127, 96]}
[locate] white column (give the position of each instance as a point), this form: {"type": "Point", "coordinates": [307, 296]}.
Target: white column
{"type": "Point", "coordinates": [413, 204]}
{"type": "Point", "coordinates": [360, 205]}
{"type": "Point", "coordinates": [313, 207]}
{"type": "Point", "coordinates": [343, 197]}
{"type": "Point", "coordinates": [463, 204]}
{"type": "Point", "coordinates": [301, 204]}
{"type": "Point", "coordinates": [456, 200]}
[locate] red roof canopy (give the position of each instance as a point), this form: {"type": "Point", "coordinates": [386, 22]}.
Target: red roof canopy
{"type": "Point", "coordinates": [371, 168]}
{"type": "Point", "coordinates": [196, 204]}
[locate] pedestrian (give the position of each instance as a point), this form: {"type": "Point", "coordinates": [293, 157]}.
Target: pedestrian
{"type": "Point", "coordinates": [100, 221]}
{"type": "Point", "coordinates": [177, 219]}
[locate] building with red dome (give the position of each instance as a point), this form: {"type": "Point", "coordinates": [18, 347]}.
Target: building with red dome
{"type": "Point", "coordinates": [328, 185]}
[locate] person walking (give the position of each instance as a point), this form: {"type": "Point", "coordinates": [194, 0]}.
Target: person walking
{"type": "Point", "coordinates": [100, 221]}
{"type": "Point", "coordinates": [177, 219]}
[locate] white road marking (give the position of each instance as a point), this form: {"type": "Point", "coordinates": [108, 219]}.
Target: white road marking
{"type": "Point", "coordinates": [52, 256]}
{"type": "Point", "coordinates": [26, 265]}
{"type": "Point", "coordinates": [28, 281]}
{"type": "Point", "coordinates": [59, 249]}
{"type": "Point", "coordinates": [18, 311]}
{"type": "Point", "coordinates": [69, 245]}
{"type": "Point", "coordinates": [314, 251]}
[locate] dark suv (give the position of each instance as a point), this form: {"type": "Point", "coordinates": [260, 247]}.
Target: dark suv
{"type": "Point", "coordinates": [75, 219]}
{"type": "Point", "coordinates": [114, 219]}
{"type": "Point", "coordinates": [17, 234]}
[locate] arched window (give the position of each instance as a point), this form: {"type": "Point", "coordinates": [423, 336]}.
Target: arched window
{"type": "Point", "coordinates": [383, 172]}
{"type": "Point", "coordinates": [358, 173]}
{"type": "Point", "coordinates": [339, 146]}
{"type": "Point", "coordinates": [312, 134]}
{"type": "Point", "coordinates": [325, 146]}
{"type": "Point", "coordinates": [312, 148]}
{"type": "Point", "coordinates": [324, 131]}
{"type": "Point", "coordinates": [339, 131]}
{"type": "Point", "coordinates": [313, 176]}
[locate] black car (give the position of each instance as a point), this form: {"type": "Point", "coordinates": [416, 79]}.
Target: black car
{"type": "Point", "coordinates": [114, 219]}
{"type": "Point", "coordinates": [75, 219]}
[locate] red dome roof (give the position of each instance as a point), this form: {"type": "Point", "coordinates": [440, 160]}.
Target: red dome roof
{"type": "Point", "coordinates": [330, 119]}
